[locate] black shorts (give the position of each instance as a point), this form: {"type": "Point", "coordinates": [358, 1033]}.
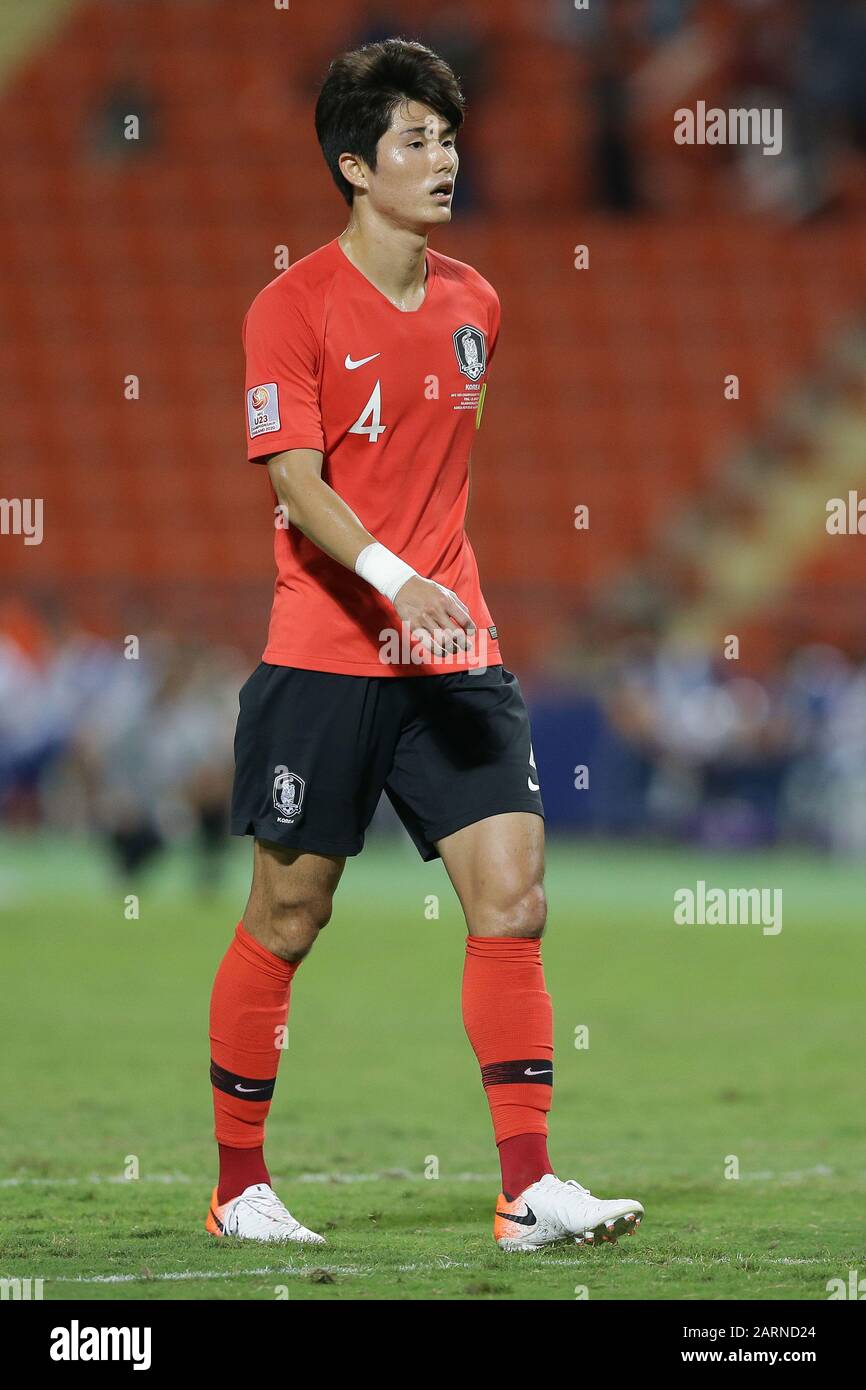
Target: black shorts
{"type": "Point", "coordinates": [314, 751]}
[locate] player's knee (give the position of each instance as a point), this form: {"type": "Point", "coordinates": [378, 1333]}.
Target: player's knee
{"type": "Point", "coordinates": [297, 924]}
{"type": "Point", "coordinates": [531, 913]}
{"type": "Point", "coordinates": [524, 915]}
{"type": "Point", "coordinates": [292, 924]}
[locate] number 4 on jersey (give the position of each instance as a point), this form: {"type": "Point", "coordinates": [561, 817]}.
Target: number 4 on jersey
{"type": "Point", "coordinates": [369, 421]}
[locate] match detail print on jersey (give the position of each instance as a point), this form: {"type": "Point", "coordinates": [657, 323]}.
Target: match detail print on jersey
{"type": "Point", "coordinates": [392, 400]}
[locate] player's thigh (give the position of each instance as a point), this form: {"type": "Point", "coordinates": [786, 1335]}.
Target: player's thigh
{"type": "Point", "coordinates": [464, 762]}
{"type": "Point", "coordinates": [291, 898]}
{"type": "Point", "coordinates": [497, 868]}
{"type": "Point", "coordinates": [312, 751]}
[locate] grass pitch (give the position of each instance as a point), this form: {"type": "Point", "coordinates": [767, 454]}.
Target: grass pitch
{"type": "Point", "coordinates": [711, 1050]}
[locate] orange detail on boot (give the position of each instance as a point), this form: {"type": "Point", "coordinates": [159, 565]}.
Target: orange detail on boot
{"type": "Point", "coordinates": [517, 1210]}
{"type": "Point", "coordinates": [214, 1219]}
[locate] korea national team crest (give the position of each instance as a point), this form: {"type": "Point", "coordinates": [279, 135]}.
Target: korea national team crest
{"type": "Point", "coordinates": [289, 791]}
{"type": "Point", "coordinates": [470, 346]}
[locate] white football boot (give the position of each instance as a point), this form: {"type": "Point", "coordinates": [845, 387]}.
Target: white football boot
{"type": "Point", "coordinates": [257, 1214]}
{"type": "Point", "coordinates": [550, 1211]}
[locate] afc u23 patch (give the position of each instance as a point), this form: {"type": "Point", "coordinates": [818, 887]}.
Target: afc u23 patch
{"type": "Point", "coordinates": [263, 409]}
{"type": "Point", "coordinates": [470, 345]}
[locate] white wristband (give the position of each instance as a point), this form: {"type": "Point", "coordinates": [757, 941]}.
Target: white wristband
{"type": "Point", "coordinates": [383, 569]}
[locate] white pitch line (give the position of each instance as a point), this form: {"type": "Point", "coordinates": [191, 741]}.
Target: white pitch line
{"type": "Point", "coordinates": [725, 1260]}
{"type": "Point", "coordinates": [299, 1270]}
{"type": "Point", "coordinates": [795, 1175]}
{"type": "Point", "coordinates": [185, 1274]}
{"type": "Point", "coordinates": [364, 1271]}
{"type": "Point", "coordinates": [387, 1175]}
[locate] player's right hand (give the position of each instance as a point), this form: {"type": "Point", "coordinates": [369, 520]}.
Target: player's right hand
{"type": "Point", "coordinates": [436, 617]}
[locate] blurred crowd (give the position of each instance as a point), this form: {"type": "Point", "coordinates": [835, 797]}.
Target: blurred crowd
{"type": "Point", "coordinates": [129, 739]}
{"type": "Point", "coordinates": [138, 752]}
{"type": "Point", "coordinates": [725, 758]}
{"type": "Point", "coordinates": [629, 64]}
{"type": "Point", "coordinates": [635, 61]}
{"type": "Point", "coordinates": [641, 59]}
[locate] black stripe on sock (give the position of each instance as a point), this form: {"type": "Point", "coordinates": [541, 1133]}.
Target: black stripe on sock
{"type": "Point", "coordinates": [244, 1087]}
{"type": "Point", "coordinates": [530, 1071]}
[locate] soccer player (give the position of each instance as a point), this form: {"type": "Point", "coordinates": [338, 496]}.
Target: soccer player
{"type": "Point", "coordinates": [367, 364]}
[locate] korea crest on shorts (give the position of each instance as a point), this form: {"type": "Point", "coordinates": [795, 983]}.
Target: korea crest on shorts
{"type": "Point", "coordinates": [470, 346]}
{"type": "Point", "coordinates": [289, 791]}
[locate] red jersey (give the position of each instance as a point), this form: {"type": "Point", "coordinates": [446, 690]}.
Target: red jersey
{"type": "Point", "coordinates": [392, 400]}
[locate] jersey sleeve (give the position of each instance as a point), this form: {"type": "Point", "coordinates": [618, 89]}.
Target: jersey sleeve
{"type": "Point", "coordinates": [282, 394]}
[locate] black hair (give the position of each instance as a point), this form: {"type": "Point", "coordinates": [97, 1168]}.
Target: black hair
{"type": "Point", "coordinates": [361, 90]}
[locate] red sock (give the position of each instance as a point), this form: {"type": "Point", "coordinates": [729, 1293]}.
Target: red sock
{"type": "Point", "coordinates": [248, 1014]}
{"type": "Point", "coordinates": [239, 1169]}
{"type": "Point", "coordinates": [523, 1160]}
{"type": "Point", "coordinates": [508, 1018]}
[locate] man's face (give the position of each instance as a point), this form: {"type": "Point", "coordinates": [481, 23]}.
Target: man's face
{"type": "Point", "coordinates": [416, 165]}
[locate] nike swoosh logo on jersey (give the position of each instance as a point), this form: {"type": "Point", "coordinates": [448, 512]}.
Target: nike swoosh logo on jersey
{"type": "Point", "coordinates": [529, 1219]}
{"type": "Point", "coordinates": [541, 1071]}
{"type": "Point", "coordinates": [250, 1088]}
{"type": "Point", "coordinates": [362, 362]}
{"type": "Point", "coordinates": [533, 786]}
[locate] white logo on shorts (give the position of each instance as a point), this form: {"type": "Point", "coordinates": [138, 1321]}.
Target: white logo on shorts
{"type": "Point", "coordinates": [533, 786]}
{"type": "Point", "coordinates": [289, 791]}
